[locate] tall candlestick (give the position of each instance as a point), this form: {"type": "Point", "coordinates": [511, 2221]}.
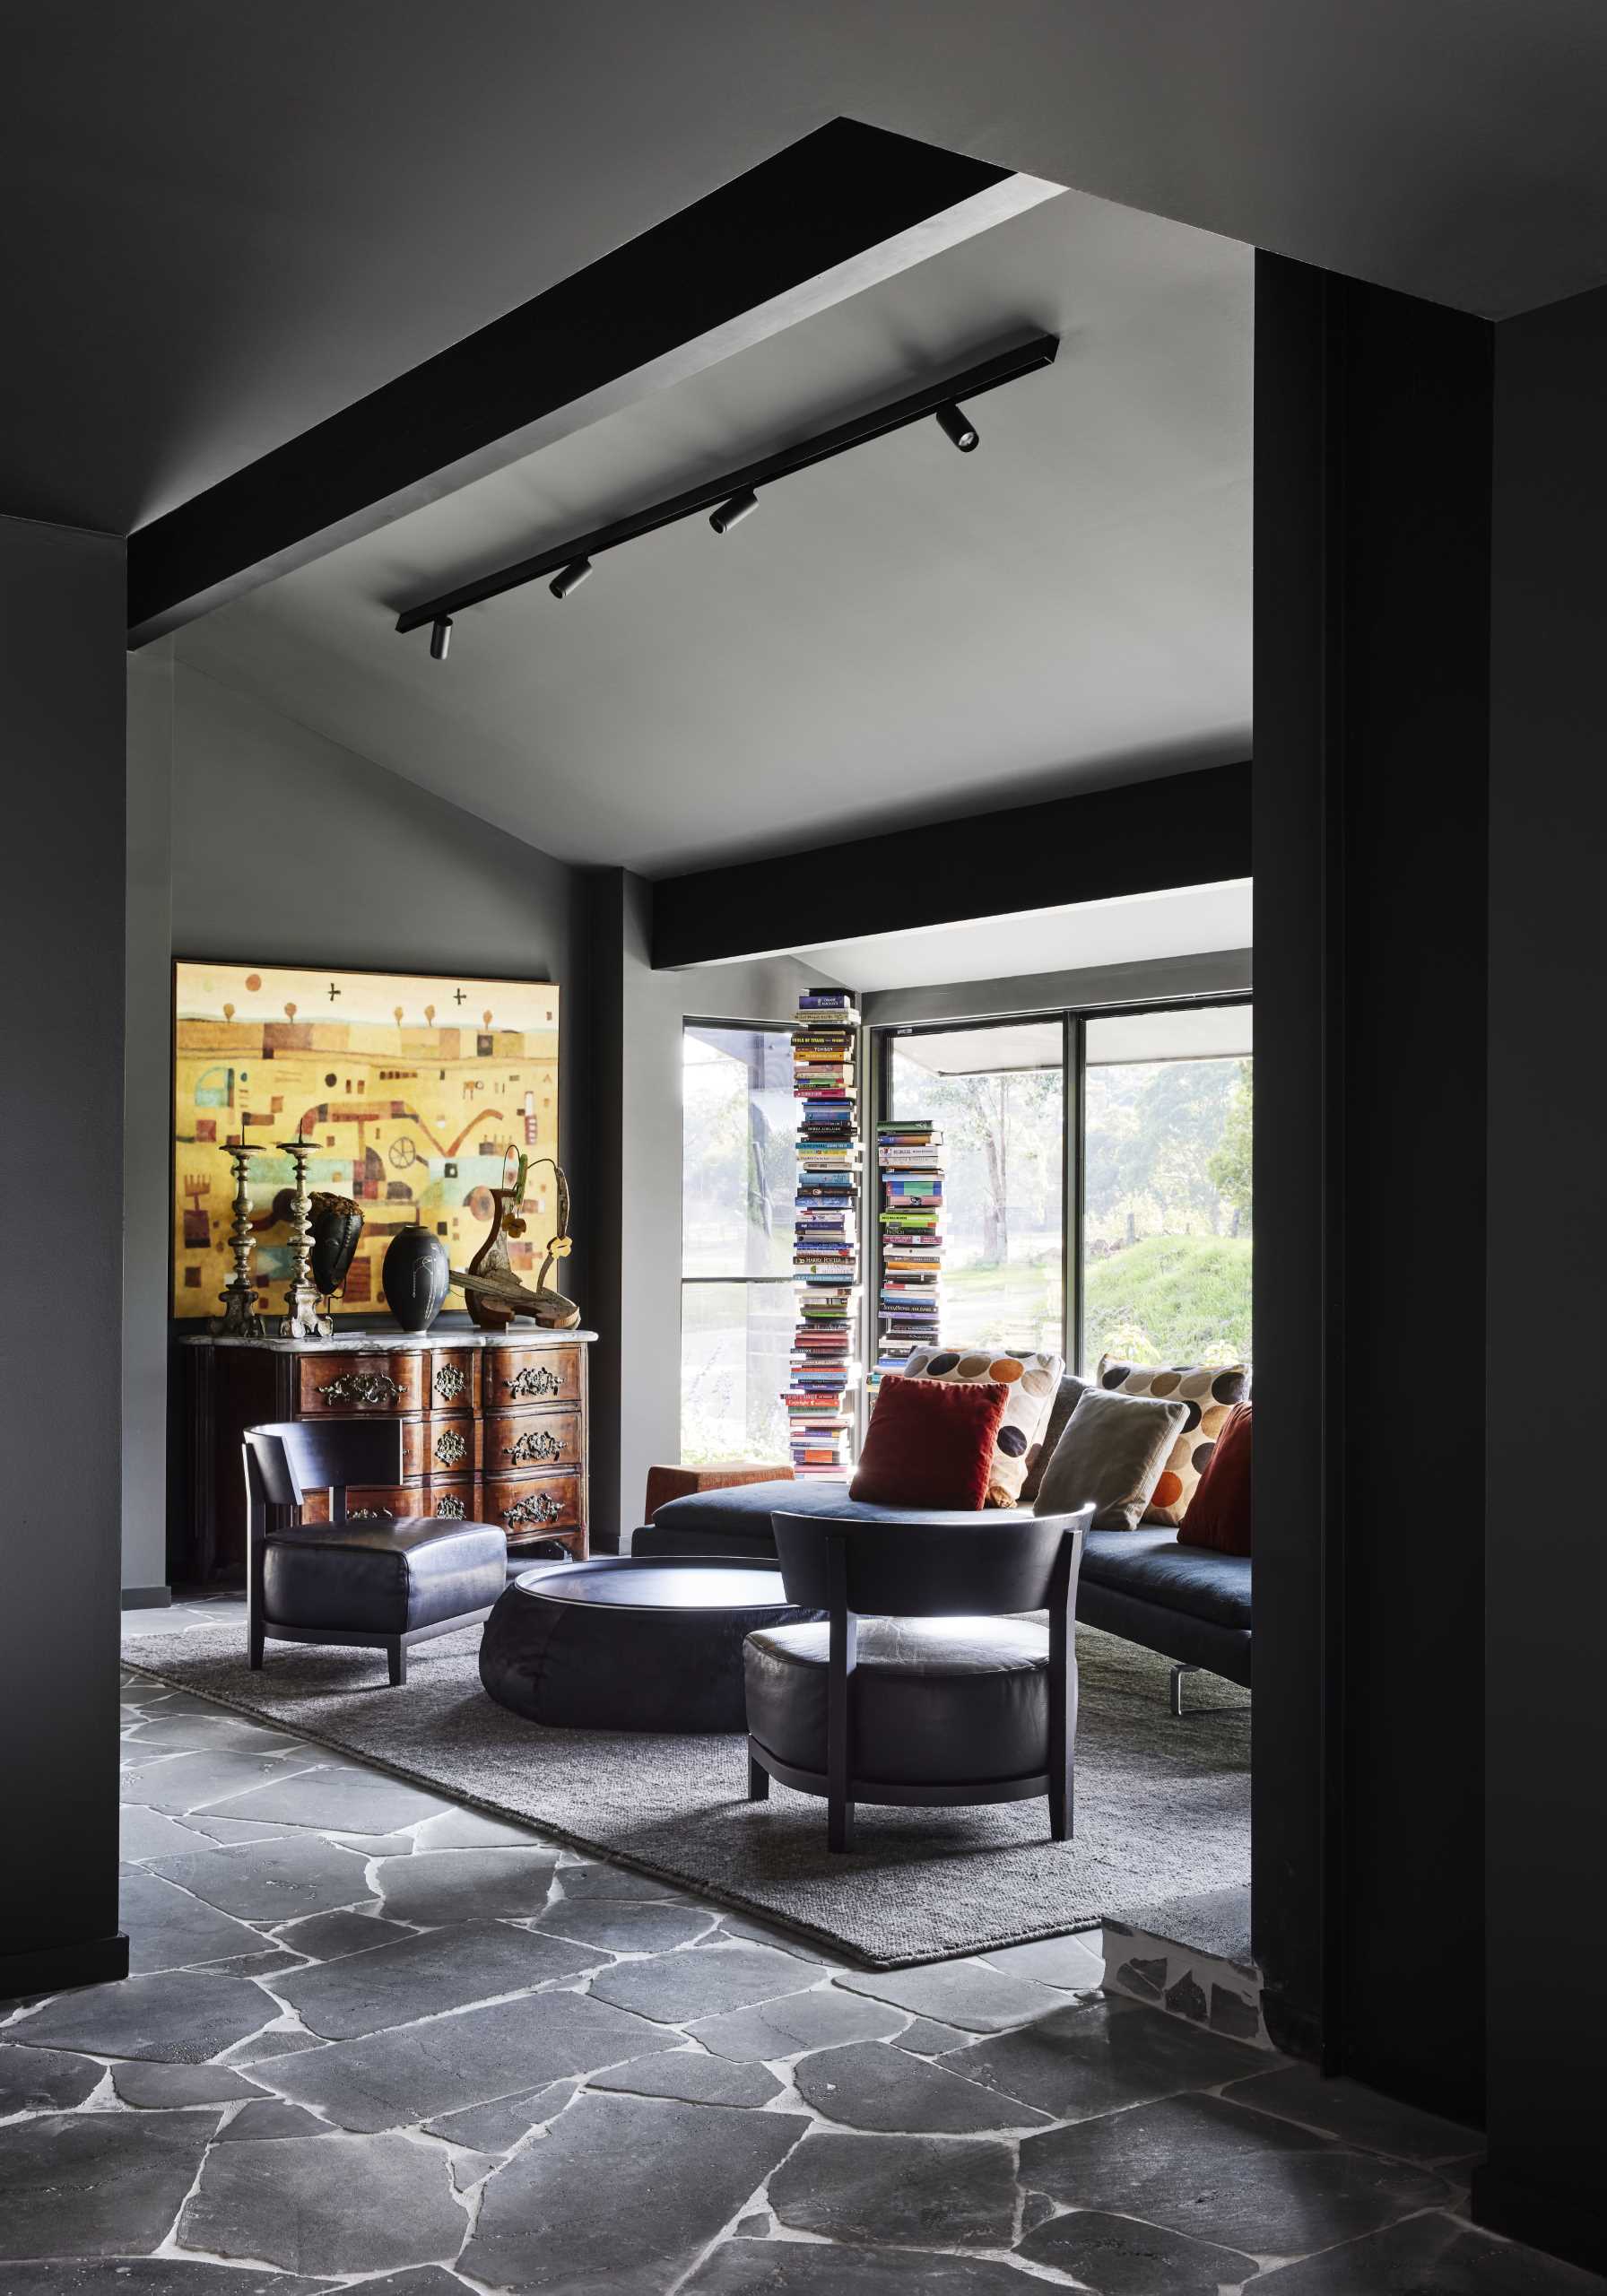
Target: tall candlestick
{"type": "Point", "coordinates": [301, 1318]}
{"type": "Point", "coordinates": [239, 1319]}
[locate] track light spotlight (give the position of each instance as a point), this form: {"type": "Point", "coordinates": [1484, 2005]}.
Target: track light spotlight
{"type": "Point", "coordinates": [957, 428]}
{"type": "Point", "coordinates": [734, 510]}
{"type": "Point", "coordinates": [571, 576]}
{"type": "Point", "coordinates": [440, 637]}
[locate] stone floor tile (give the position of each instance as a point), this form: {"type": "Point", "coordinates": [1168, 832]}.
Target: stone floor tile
{"type": "Point", "coordinates": [269, 1962]}
{"type": "Point", "coordinates": [390, 2080]}
{"type": "Point", "coordinates": [177, 2018]}
{"type": "Point", "coordinates": [969, 1993]}
{"type": "Point", "coordinates": [271, 2116]}
{"type": "Point", "coordinates": [328, 1936]}
{"type": "Point", "coordinates": [169, 1929]}
{"type": "Point", "coordinates": [44, 2080]}
{"type": "Point", "coordinates": [156, 2276]}
{"type": "Point", "coordinates": [229, 1832]}
{"type": "Point", "coordinates": [324, 2204]}
{"type": "Point", "coordinates": [466, 2168]}
{"type": "Point", "coordinates": [96, 2184]}
{"type": "Point", "coordinates": [742, 2267]}
{"type": "Point", "coordinates": [820, 2019]}
{"type": "Point", "coordinates": [1094, 2056]}
{"type": "Point", "coordinates": [1219, 2173]}
{"type": "Point", "coordinates": [924, 2037]}
{"type": "Point", "coordinates": [467, 1885]}
{"type": "Point", "coordinates": [163, 2087]}
{"type": "Point", "coordinates": [206, 1734]}
{"type": "Point", "coordinates": [374, 1845]}
{"type": "Point", "coordinates": [473, 1830]}
{"type": "Point", "coordinates": [1356, 2115]}
{"type": "Point", "coordinates": [624, 1928]}
{"type": "Point", "coordinates": [179, 1782]}
{"type": "Point", "coordinates": [702, 1983]}
{"type": "Point", "coordinates": [264, 2047]}
{"type": "Point", "coordinates": [497, 2127]}
{"type": "Point", "coordinates": [673, 2174]}
{"type": "Point", "coordinates": [1433, 2256]}
{"type": "Point", "coordinates": [694, 2077]}
{"type": "Point", "coordinates": [1072, 1964]}
{"type": "Point", "coordinates": [869, 2085]}
{"type": "Point", "coordinates": [272, 1881]}
{"type": "Point", "coordinates": [420, 1977]}
{"type": "Point", "coordinates": [605, 1881]}
{"type": "Point", "coordinates": [950, 2192]}
{"type": "Point", "coordinates": [1114, 2256]}
{"type": "Point", "coordinates": [420, 2280]}
{"type": "Point", "coordinates": [152, 1833]}
{"type": "Point", "coordinates": [335, 1797]}
{"type": "Point", "coordinates": [769, 1933]}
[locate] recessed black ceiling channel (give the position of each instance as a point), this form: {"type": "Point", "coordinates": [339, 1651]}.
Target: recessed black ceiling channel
{"type": "Point", "coordinates": [729, 496]}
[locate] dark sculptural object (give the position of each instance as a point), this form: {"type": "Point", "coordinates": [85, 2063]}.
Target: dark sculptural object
{"type": "Point", "coordinates": [336, 1233]}
{"type": "Point", "coordinates": [416, 1278]}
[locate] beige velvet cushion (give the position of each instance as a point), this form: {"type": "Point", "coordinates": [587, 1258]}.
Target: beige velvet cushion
{"type": "Point", "coordinates": [1031, 1380]}
{"type": "Point", "coordinates": [1112, 1452]}
{"type": "Point", "coordinates": [1208, 1393]}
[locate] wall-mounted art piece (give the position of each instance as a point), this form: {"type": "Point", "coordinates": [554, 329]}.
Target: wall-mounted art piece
{"type": "Point", "coordinates": [410, 1087]}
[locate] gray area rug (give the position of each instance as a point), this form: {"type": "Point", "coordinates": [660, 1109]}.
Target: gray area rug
{"type": "Point", "coordinates": [1162, 1810]}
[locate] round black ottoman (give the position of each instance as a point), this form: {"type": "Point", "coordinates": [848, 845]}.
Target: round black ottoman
{"type": "Point", "coordinates": [614, 1644]}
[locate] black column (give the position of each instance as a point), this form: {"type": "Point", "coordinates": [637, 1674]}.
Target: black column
{"type": "Point", "coordinates": [62, 961]}
{"type": "Point", "coordinates": [1372, 574]}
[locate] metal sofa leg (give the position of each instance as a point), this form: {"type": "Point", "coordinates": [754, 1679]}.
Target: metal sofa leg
{"type": "Point", "coordinates": [759, 1780]}
{"type": "Point", "coordinates": [397, 1652]}
{"type": "Point", "coordinates": [1176, 1690]}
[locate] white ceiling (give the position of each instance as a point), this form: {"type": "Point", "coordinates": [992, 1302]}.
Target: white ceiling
{"type": "Point", "coordinates": [904, 633]}
{"type": "Point", "coordinates": [1195, 921]}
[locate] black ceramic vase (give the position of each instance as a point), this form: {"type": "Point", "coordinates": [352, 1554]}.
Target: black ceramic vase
{"type": "Point", "coordinates": [336, 1230]}
{"type": "Point", "coordinates": [416, 1278]}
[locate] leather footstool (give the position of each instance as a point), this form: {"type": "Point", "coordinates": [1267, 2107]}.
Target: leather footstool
{"type": "Point", "coordinates": [385, 1582]}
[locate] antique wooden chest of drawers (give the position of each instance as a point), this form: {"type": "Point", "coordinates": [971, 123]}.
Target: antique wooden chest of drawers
{"type": "Point", "coordinates": [493, 1429]}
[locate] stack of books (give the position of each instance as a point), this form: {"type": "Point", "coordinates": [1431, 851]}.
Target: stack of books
{"type": "Point", "coordinates": [825, 1236]}
{"type": "Point", "coordinates": [910, 1165]}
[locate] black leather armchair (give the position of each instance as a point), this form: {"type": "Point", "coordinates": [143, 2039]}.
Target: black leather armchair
{"type": "Point", "coordinates": [925, 1685]}
{"type": "Point", "coordinates": [382, 1583]}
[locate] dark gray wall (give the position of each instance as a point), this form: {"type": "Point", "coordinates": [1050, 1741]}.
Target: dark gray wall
{"type": "Point", "coordinates": [1547, 1562]}
{"type": "Point", "coordinates": [286, 848]}
{"type": "Point", "coordinates": [1372, 575]}
{"type": "Point", "coordinates": [61, 952]}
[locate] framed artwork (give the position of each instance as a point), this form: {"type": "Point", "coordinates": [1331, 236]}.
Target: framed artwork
{"type": "Point", "coordinates": [410, 1085]}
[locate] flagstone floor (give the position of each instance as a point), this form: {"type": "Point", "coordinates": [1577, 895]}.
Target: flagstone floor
{"type": "Point", "coordinates": [374, 2038]}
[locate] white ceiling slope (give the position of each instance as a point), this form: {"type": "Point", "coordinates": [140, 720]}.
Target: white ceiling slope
{"type": "Point", "coordinates": [904, 633]}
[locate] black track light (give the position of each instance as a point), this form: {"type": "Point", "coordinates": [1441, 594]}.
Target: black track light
{"type": "Point", "coordinates": [440, 637]}
{"type": "Point", "coordinates": [957, 428]}
{"type": "Point", "coordinates": [571, 578]}
{"type": "Point", "coordinates": [734, 510]}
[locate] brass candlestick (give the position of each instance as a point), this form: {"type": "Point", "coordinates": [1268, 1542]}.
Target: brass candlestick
{"type": "Point", "coordinates": [301, 1318]}
{"type": "Point", "coordinates": [239, 1319]}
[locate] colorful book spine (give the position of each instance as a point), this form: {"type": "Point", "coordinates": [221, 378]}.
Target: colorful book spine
{"type": "Point", "coordinates": [909, 1168]}
{"type": "Point", "coordinates": [821, 1372]}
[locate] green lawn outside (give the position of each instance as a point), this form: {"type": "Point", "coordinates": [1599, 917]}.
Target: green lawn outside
{"type": "Point", "coordinates": [1168, 1300]}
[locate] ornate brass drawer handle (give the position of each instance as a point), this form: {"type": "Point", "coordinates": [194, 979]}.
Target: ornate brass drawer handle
{"type": "Point", "coordinates": [535, 1379]}
{"type": "Point", "coordinates": [452, 1507]}
{"type": "Point", "coordinates": [448, 1383]}
{"type": "Point", "coordinates": [368, 1390]}
{"type": "Point", "coordinates": [369, 1515]}
{"type": "Point", "coordinates": [451, 1446]}
{"type": "Point", "coordinates": [541, 1506]}
{"type": "Point", "coordinates": [533, 1449]}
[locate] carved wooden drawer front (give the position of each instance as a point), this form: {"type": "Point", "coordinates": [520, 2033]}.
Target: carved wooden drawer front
{"type": "Point", "coordinates": [451, 1379]}
{"type": "Point", "coordinates": [437, 1446]}
{"type": "Point", "coordinates": [512, 1375]}
{"type": "Point", "coordinates": [510, 1441]}
{"type": "Point", "coordinates": [530, 1505]}
{"type": "Point", "coordinates": [362, 1383]}
{"type": "Point", "coordinates": [451, 1497]}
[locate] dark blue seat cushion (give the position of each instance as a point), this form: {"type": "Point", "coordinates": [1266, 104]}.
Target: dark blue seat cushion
{"type": "Point", "coordinates": [1148, 1563]}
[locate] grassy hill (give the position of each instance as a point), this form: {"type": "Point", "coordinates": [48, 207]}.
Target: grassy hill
{"type": "Point", "coordinates": [1171, 1299]}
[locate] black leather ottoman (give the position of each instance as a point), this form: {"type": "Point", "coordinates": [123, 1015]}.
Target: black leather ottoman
{"type": "Point", "coordinates": [394, 1582]}
{"type": "Point", "coordinates": [613, 1644]}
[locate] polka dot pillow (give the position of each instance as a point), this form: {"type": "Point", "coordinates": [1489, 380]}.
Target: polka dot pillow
{"type": "Point", "coordinates": [1210, 1390]}
{"type": "Point", "coordinates": [1032, 1381]}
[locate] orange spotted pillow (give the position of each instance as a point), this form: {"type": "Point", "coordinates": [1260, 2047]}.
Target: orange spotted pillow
{"type": "Point", "coordinates": [1210, 1391]}
{"type": "Point", "coordinates": [1031, 1381]}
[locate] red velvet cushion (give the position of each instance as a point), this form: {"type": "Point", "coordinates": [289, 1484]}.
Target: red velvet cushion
{"type": "Point", "coordinates": [1219, 1513]}
{"type": "Point", "coordinates": [930, 1442]}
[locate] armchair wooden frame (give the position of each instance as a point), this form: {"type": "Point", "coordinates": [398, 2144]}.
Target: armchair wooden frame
{"type": "Point", "coordinates": [1003, 1565]}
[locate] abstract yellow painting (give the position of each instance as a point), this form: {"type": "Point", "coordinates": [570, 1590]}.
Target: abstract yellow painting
{"type": "Point", "coordinates": [410, 1086]}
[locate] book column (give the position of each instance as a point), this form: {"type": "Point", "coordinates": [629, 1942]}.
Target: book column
{"type": "Point", "coordinates": [909, 1165]}
{"type": "Point", "coordinates": [818, 1399]}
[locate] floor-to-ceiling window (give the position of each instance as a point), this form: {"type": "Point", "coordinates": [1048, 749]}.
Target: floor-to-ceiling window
{"type": "Point", "coordinates": [1097, 1178]}
{"type": "Point", "coordinates": [736, 1241]}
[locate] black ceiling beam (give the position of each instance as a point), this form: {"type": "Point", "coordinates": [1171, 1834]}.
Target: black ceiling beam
{"type": "Point", "coordinates": [894, 414]}
{"type": "Point", "coordinates": [823, 203]}
{"type": "Point", "coordinates": [1142, 837]}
